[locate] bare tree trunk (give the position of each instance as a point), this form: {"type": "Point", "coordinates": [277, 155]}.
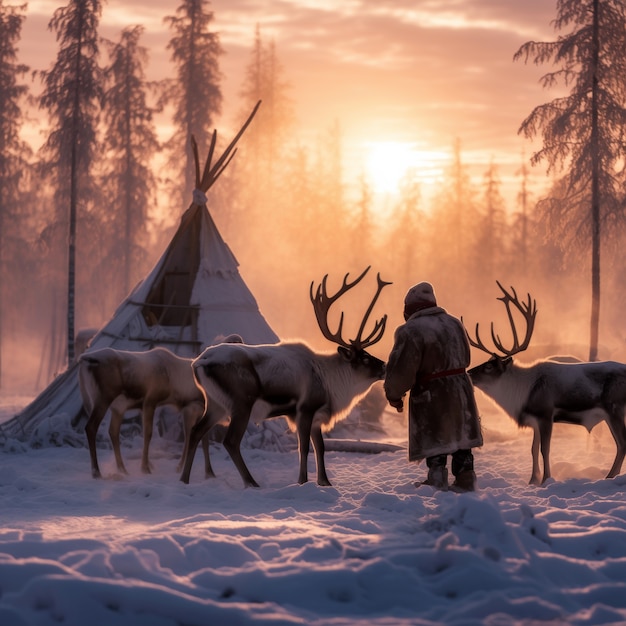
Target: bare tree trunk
{"type": "Point", "coordinates": [128, 234]}
{"type": "Point", "coordinates": [71, 262]}
{"type": "Point", "coordinates": [71, 259]}
{"type": "Point", "coordinates": [595, 193]}
{"type": "Point", "coordinates": [523, 200]}
{"type": "Point", "coordinates": [189, 177]}
{"type": "Point", "coordinates": [2, 284]}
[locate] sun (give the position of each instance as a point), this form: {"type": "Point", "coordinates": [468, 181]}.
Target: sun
{"type": "Point", "coordinates": [389, 162]}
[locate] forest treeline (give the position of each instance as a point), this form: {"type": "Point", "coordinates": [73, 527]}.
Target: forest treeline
{"type": "Point", "coordinates": [85, 216]}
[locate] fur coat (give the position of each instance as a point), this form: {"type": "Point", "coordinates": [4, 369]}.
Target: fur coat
{"type": "Point", "coordinates": [428, 359]}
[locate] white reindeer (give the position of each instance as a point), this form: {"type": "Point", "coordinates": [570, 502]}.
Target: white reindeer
{"type": "Point", "coordinates": [311, 390]}
{"type": "Point", "coordinates": [120, 380]}
{"type": "Point", "coordinates": [551, 390]}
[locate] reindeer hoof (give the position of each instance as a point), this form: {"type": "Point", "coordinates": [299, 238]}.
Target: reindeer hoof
{"type": "Point", "coordinates": [95, 473]}
{"type": "Point", "coordinates": [324, 483]}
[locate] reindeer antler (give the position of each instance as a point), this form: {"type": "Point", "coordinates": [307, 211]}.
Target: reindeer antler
{"type": "Point", "coordinates": [529, 311]}
{"type": "Point", "coordinates": [322, 302]}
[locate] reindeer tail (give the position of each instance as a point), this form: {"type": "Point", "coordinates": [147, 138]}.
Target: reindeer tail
{"type": "Point", "coordinates": [86, 382]}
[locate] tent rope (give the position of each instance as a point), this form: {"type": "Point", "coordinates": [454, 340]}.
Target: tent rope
{"type": "Point", "coordinates": [199, 197]}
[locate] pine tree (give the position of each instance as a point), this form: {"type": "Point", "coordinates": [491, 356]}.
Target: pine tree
{"type": "Point", "coordinates": [362, 226]}
{"type": "Point", "coordinates": [196, 93]}
{"type": "Point", "coordinates": [71, 95]}
{"type": "Point", "coordinates": [522, 222]}
{"type": "Point", "coordinates": [268, 205]}
{"type": "Point", "coordinates": [491, 235]}
{"type": "Point", "coordinates": [328, 213]}
{"type": "Point", "coordinates": [14, 152]}
{"type": "Point", "coordinates": [268, 136]}
{"type": "Point", "coordinates": [454, 220]}
{"type": "Point", "coordinates": [404, 246]}
{"type": "Point", "coordinates": [584, 132]}
{"type": "Point", "coordinates": [130, 142]}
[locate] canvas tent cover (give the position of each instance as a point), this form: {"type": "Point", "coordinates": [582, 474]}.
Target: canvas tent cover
{"type": "Point", "coordinates": [193, 297]}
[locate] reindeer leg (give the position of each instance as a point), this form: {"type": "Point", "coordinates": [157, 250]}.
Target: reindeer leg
{"type": "Point", "coordinates": [218, 414]}
{"type": "Point", "coordinates": [618, 430]}
{"type": "Point", "coordinates": [318, 446]}
{"type": "Point", "coordinates": [191, 415]}
{"type": "Point", "coordinates": [147, 420]}
{"type": "Point", "coordinates": [186, 432]}
{"type": "Point", "coordinates": [534, 478]}
{"type": "Point", "coordinates": [545, 433]}
{"type": "Point", "coordinates": [117, 414]}
{"type": "Point", "coordinates": [189, 419]}
{"type": "Point", "coordinates": [197, 433]}
{"type": "Point", "coordinates": [232, 441]}
{"type": "Point", "coordinates": [91, 430]}
{"type": "Point", "coordinates": [208, 469]}
{"type": "Point", "coordinates": [304, 422]}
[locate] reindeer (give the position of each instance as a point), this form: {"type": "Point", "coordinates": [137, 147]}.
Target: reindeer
{"type": "Point", "coordinates": [121, 380]}
{"type": "Point", "coordinates": [312, 390]}
{"type": "Point", "coordinates": [551, 391]}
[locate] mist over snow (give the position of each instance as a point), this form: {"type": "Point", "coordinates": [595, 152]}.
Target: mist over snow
{"type": "Point", "coordinates": [148, 550]}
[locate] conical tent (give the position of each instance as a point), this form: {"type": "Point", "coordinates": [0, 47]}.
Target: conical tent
{"type": "Point", "coordinates": [193, 297]}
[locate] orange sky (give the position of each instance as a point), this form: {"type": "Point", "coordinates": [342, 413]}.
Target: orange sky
{"type": "Point", "coordinates": [420, 72]}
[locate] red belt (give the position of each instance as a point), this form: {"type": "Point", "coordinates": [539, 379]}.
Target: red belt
{"type": "Point", "coordinates": [428, 377]}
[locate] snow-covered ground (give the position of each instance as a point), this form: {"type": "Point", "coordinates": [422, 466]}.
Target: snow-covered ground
{"type": "Point", "coordinates": [148, 550]}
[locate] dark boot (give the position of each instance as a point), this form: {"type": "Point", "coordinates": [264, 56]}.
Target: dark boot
{"type": "Point", "coordinates": [437, 478]}
{"type": "Point", "coordinates": [464, 481]}
{"type": "Point", "coordinates": [463, 470]}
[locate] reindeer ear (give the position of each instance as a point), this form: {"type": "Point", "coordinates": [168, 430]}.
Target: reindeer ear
{"type": "Point", "coordinates": [346, 353]}
{"type": "Point", "coordinates": [506, 362]}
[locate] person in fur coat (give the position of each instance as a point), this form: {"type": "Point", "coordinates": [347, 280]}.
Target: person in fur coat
{"type": "Point", "coordinates": [429, 359]}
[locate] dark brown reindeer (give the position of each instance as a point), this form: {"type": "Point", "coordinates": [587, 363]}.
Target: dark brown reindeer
{"type": "Point", "coordinates": [549, 391]}
{"type": "Point", "coordinates": [310, 389]}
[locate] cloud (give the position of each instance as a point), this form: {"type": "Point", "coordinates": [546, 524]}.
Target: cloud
{"type": "Point", "coordinates": [412, 70]}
